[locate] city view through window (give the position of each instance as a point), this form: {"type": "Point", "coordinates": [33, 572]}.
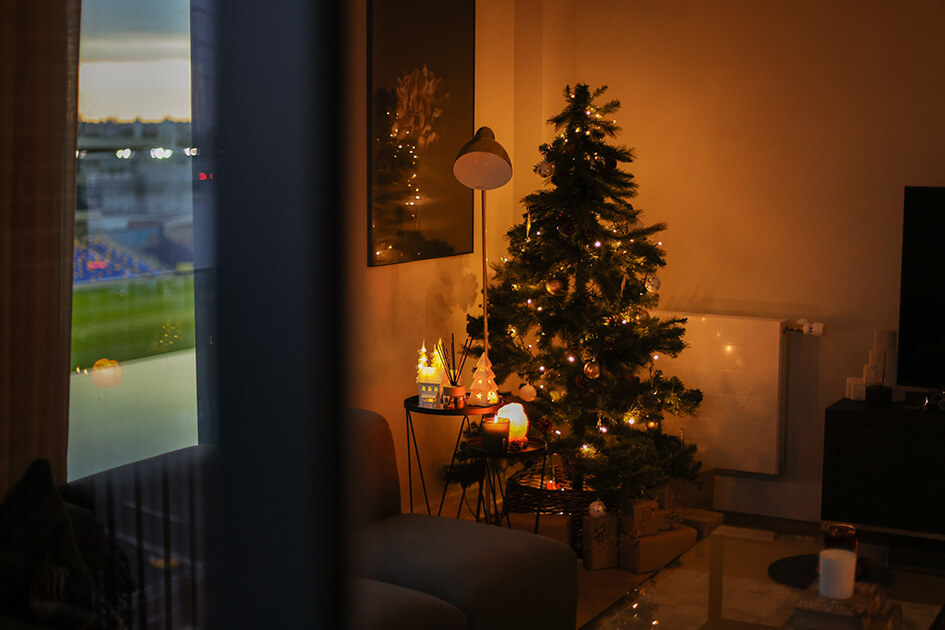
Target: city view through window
{"type": "Point", "coordinates": [133, 387]}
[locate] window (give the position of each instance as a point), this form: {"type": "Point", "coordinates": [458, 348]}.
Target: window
{"type": "Point", "coordinates": [133, 386]}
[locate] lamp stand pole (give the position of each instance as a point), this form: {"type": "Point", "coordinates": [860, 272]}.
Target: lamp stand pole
{"type": "Point", "coordinates": [485, 282]}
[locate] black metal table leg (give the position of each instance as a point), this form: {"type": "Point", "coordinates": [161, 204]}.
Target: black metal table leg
{"type": "Point", "coordinates": [446, 483]}
{"type": "Point", "coordinates": [407, 426]}
{"type": "Point", "coordinates": [479, 498]}
{"type": "Point", "coordinates": [423, 483]}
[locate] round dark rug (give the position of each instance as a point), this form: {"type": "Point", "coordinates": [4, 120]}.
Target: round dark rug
{"type": "Point", "coordinates": [801, 571]}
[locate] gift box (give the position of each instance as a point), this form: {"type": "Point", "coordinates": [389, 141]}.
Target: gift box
{"type": "Point", "coordinates": [649, 553]}
{"type": "Point", "coordinates": [557, 527]}
{"type": "Point", "coordinates": [703, 521]}
{"type": "Point", "coordinates": [663, 496]}
{"type": "Point", "coordinates": [669, 519]}
{"type": "Point", "coordinates": [698, 493]}
{"type": "Point", "coordinates": [638, 517]}
{"type": "Point", "coordinates": [600, 542]}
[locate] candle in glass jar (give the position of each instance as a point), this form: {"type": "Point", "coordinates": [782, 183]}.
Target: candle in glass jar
{"type": "Point", "coordinates": [840, 536]}
{"type": "Point", "coordinates": [495, 435]}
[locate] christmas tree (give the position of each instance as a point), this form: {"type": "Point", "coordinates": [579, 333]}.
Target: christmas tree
{"type": "Point", "coordinates": [570, 303]}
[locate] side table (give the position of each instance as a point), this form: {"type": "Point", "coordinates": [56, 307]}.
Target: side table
{"type": "Point", "coordinates": [533, 448]}
{"type": "Point", "coordinates": [411, 406]}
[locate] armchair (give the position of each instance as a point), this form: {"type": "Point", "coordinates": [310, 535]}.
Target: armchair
{"type": "Point", "coordinates": [406, 564]}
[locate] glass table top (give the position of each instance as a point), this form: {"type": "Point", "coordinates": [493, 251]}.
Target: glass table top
{"type": "Point", "coordinates": [723, 582]}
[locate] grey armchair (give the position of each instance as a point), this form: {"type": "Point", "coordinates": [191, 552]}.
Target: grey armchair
{"type": "Point", "coordinates": [418, 571]}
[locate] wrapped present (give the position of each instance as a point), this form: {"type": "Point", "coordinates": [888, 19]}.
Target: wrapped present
{"type": "Point", "coordinates": [703, 521]}
{"type": "Point", "coordinates": [554, 526]}
{"type": "Point", "coordinates": [638, 517]}
{"type": "Point", "coordinates": [600, 542]}
{"type": "Point", "coordinates": [669, 519]}
{"type": "Point", "coordinates": [698, 493]}
{"type": "Point", "coordinates": [663, 495]}
{"type": "Point", "coordinates": [649, 553]}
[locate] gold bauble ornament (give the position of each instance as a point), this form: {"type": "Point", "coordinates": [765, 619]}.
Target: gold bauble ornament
{"type": "Point", "coordinates": [527, 393]}
{"type": "Point", "coordinates": [592, 369]}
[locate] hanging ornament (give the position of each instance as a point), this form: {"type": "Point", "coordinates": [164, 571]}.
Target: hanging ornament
{"type": "Point", "coordinates": [527, 393]}
{"type": "Point", "coordinates": [641, 316]}
{"type": "Point", "coordinates": [652, 284]}
{"type": "Point", "coordinates": [554, 286]}
{"type": "Point", "coordinates": [528, 224]}
{"type": "Point", "coordinates": [592, 369]}
{"type": "Point", "coordinates": [544, 168]}
{"type": "Point", "coordinates": [597, 509]}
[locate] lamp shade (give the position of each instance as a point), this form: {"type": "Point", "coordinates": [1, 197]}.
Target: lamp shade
{"type": "Point", "coordinates": [482, 163]}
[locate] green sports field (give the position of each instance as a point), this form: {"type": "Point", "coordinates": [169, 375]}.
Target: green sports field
{"type": "Point", "coordinates": [131, 319]}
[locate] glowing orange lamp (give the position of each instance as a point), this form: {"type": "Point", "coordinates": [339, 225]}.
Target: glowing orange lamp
{"type": "Point", "coordinates": [518, 422]}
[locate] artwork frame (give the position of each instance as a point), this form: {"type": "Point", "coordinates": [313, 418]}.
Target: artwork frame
{"type": "Point", "coordinates": [421, 99]}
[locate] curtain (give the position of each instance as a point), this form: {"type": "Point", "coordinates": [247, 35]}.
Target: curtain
{"type": "Point", "coordinates": [39, 53]}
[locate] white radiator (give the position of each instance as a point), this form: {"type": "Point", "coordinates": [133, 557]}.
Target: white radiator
{"type": "Point", "coordinates": [740, 364]}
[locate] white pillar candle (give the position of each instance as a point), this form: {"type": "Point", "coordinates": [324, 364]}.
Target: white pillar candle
{"type": "Point", "coordinates": [837, 573]}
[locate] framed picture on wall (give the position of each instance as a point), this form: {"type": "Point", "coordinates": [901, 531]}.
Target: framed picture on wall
{"type": "Point", "coordinates": [421, 82]}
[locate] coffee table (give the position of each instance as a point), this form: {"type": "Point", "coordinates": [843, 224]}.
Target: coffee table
{"type": "Point", "coordinates": [723, 583]}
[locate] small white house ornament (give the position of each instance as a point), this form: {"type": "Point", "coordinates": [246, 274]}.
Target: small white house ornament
{"type": "Point", "coordinates": [429, 381]}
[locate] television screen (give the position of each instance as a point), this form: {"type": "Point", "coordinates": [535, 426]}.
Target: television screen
{"type": "Point", "coordinates": [921, 360]}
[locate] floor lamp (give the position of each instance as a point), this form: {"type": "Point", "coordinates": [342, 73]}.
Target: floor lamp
{"type": "Point", "coordinates": [482, 164]}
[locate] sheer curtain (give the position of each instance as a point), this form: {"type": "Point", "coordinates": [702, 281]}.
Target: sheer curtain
{"type": "Point", "coordinates": [39, 53]}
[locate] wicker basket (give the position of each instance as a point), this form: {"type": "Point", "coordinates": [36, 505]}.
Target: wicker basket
{"type": "Point", "coordinates": [524, 494]}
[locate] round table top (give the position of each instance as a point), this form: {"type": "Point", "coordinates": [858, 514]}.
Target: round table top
{"type": "Point", "coordinates": [535, 446]}
{"type": "Point", "coordinates": [413, 404]}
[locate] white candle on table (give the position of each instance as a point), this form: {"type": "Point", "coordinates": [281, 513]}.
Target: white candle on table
{"type": "Point", "coordinates": [837, 573]}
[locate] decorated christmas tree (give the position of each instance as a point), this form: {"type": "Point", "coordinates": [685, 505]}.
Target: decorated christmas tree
{"type": "Point", "coordinates": [570, 307]}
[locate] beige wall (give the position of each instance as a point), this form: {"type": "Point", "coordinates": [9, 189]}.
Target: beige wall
{"type": "Point", "coordinates": [774, 139]}
{"type": "Point", "coordinates": [393, 308]}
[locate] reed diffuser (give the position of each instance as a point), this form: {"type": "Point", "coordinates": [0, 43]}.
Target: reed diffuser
{"type": "Point", "coordinates": [454, 394]}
